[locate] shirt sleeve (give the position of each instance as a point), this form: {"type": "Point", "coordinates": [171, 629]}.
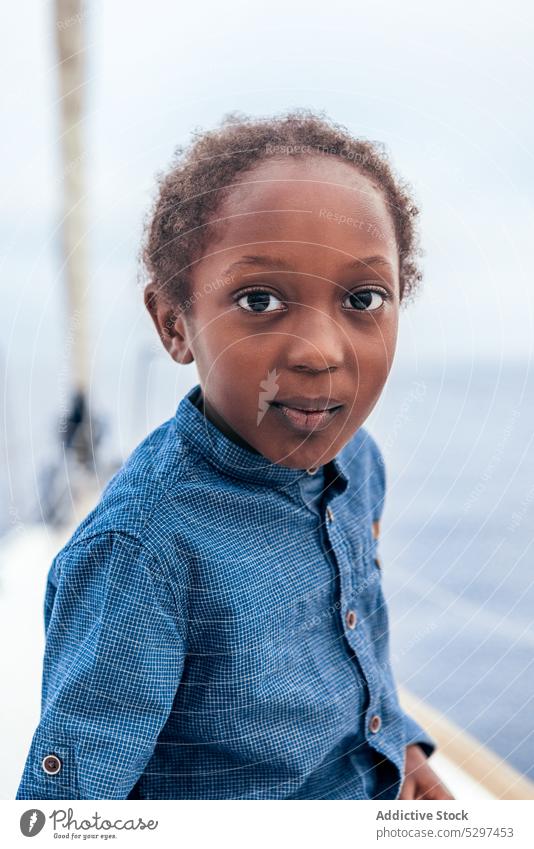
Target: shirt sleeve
{"type": "Point", "coordinates": [413, 732]}
{"type": "Point", "coordinates": [114, 654]}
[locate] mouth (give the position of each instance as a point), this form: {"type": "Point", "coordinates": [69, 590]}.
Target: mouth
{"type": "Point", "coordinates": [317, 414]}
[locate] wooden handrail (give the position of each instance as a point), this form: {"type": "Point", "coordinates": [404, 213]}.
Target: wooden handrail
{"type": "Point", "coordinates": [468, 753]}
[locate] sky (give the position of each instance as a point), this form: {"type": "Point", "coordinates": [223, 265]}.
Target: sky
{"type": "Point", "coordinates": [446, 87]}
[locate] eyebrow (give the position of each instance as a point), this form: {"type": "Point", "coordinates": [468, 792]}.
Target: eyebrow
{"type": "Point", "coordinates": [265, 261]}
{"type": "Point", "coordinates": [280, 264]}
{"type": "Point", "coordinates": [366, 261]}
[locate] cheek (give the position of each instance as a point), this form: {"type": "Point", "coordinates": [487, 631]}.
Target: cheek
{"type": "Point", "coordinates": [386, 331]}
{"type": "Point", "coordinates": [373, 353]}
{"type": "Point", "coordinates": [375, 345]}
{"type": "Point", "coordinates": [228, 354]}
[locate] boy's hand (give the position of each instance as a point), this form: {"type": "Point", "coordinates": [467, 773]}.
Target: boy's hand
{"type": "Point", "coordinates": [421, 782]}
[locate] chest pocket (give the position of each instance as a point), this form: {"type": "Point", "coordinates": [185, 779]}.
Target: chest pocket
{"type": "Point", "coordinates": [375, 533]}
{"type": "Point", "coordinates": [367, 574]}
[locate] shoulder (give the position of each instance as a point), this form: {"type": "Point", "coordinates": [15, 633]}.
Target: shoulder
{"type": "Point", "coordinates": [363, 452]}
{"type": "Point", "coordinates": [365, 463]}
{"type": "Point", "coordinates": [115, 576]}
{"type": "Point", "coordinates": [377, 461]}
{"type": "Point", "coordinates": [140, 504]}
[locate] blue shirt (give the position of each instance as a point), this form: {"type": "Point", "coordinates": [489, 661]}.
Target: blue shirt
{"type": "Point", "coordinates": [311, 486]}
{"type": "Point", "coordinates": [211, 636]}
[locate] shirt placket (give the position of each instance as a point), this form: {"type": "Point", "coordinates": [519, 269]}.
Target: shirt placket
{"type": "Point", "coordinates": [343, 556]}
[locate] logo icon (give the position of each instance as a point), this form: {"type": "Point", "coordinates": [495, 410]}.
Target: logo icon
{"type": "Point", "coordinates": [32, 822]}
{"type": "Point", "coordinates": [270, 390]}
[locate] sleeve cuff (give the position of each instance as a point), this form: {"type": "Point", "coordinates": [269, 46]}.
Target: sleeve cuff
{"type": "Point", "coordinates": [415, 734]}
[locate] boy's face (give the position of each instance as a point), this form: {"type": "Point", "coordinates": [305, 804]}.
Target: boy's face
{"type": "Point", "coordinates": [308, 235]}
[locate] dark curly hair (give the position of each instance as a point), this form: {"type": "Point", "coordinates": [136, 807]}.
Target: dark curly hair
{"type": "Point", "coordinates": [204, 172]}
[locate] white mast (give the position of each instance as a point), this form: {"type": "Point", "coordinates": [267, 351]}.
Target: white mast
{"type": "Point", "coordinates": [71, 480]}
{"type": "Point", "coordinates": [70, 40]}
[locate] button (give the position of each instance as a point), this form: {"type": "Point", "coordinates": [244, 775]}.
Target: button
{"type": "Point", "coordinates": [330, 514]}
{"type": "Point", "coordinates": [312, 470]}
{"type": "Point", "coordinates": [375, 724]}
{"type": "Point", "coordinates": [378, 563]}
{"type": "Point", "coordinates": [375, 529]}
{"type": "Point", "coordinates": [51, 764]}
{"type": "Point", "coordinates": [351, 619]}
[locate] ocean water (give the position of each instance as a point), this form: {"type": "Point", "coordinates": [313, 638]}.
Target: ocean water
{"type": "Point", "coordinates": [457, 530]}
{"type": "Point", "coordinates": [457, 546]}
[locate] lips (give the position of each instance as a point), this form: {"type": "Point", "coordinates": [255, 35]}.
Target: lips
{"type": "Point", "coordinates": [301, 402]}
{"type": "Point", "coordinates": [316, 415]}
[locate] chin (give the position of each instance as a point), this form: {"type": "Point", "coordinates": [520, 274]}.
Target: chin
{"type": "Point", "coordinates": [299, 460]}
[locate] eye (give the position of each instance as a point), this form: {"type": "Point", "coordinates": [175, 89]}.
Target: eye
{"type": "Point", "coordinates": [259, 301]}
{"type": "Point", "coordinates": [366, 300]}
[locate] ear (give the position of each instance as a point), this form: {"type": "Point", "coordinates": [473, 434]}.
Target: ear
{"type": "Point", "coordinates": [169, 322]}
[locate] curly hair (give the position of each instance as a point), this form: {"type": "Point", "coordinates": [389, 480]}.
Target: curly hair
{"type": "Point", "coordinates": [203, 173]}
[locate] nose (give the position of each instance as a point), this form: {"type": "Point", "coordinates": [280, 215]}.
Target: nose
{"type": "Point", "coordinates": [316, 344]}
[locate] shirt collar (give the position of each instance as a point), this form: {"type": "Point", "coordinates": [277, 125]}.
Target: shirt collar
{"type": "Point", "coordinates": [236, 460]}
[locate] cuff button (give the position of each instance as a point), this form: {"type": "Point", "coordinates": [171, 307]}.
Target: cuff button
{"type": "Point", "coordinates": [51, 764]}
{"type": "Point", "coordinates": [351, 619]}
{"type": "Point", "coordinates": [375, 724]}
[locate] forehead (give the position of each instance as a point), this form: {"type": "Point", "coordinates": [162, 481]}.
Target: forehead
{"type": "Point", "coordinates": [309, 207]}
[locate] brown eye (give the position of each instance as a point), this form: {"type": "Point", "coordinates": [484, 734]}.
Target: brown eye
{"type": "Point", "coordinates": [366, 300]}
{"type": "Point", "coordinates": [259, 301]}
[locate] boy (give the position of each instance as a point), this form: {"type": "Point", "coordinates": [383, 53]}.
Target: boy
{"type": "Point", "coordinates": [216, 627]}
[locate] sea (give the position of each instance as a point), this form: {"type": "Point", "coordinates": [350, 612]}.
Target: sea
{"type": "Point", "coordinates": [457, 545]}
